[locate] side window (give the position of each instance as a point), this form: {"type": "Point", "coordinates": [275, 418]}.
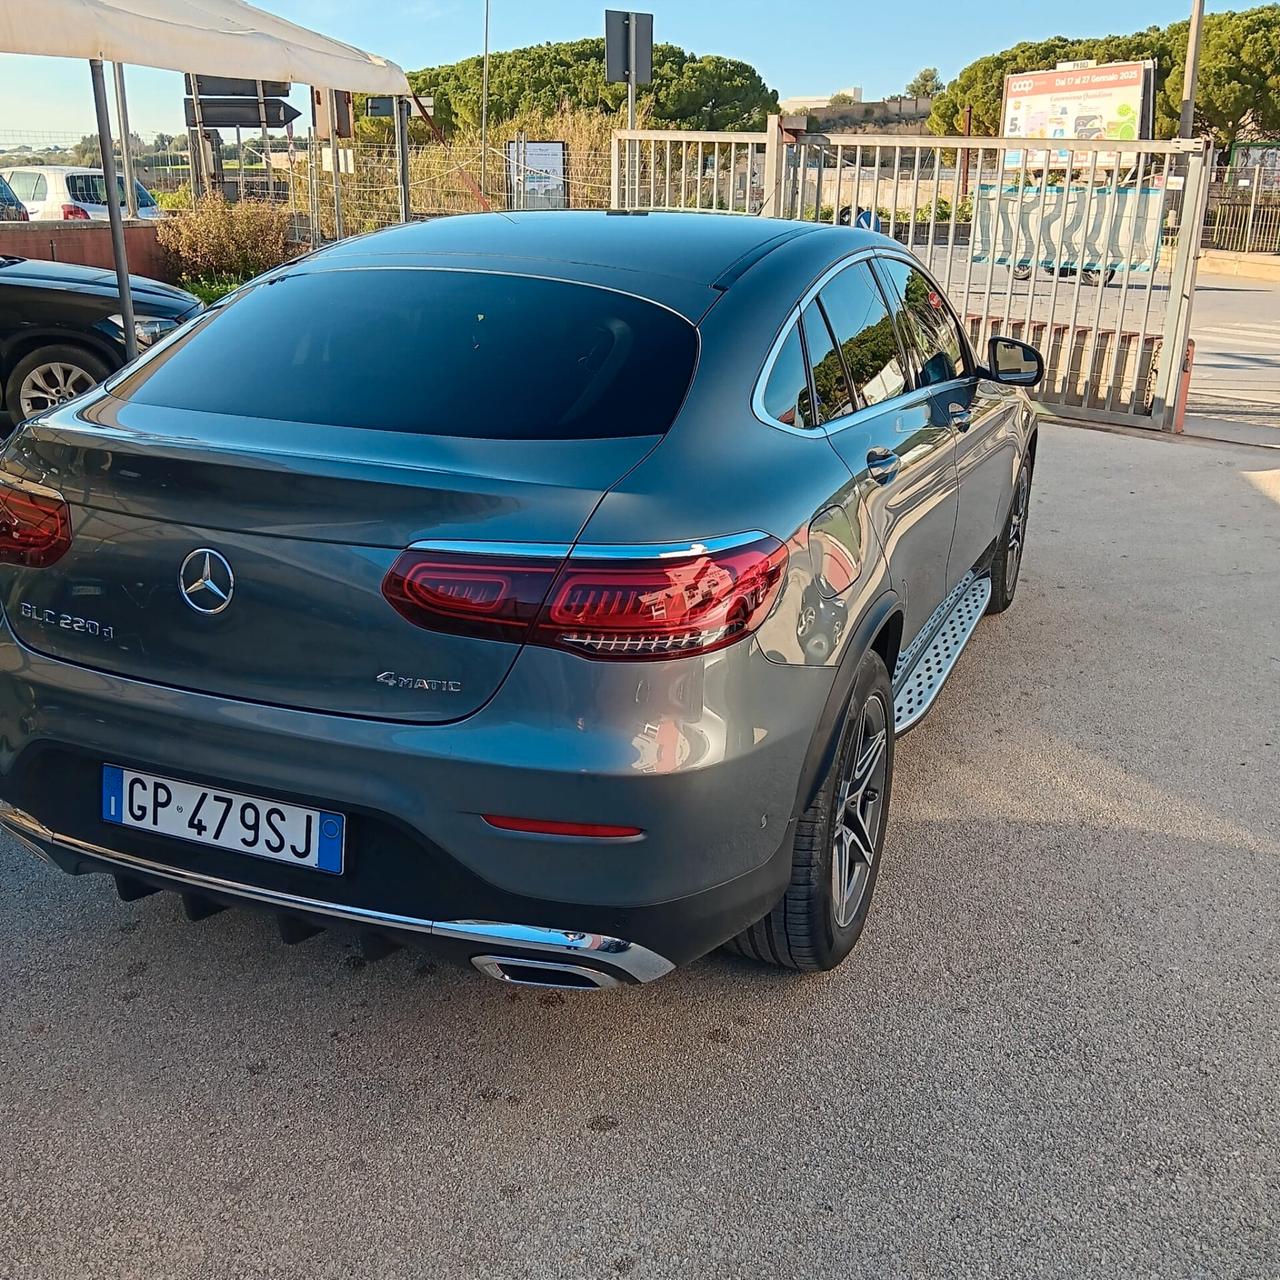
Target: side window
{"type": "Point", "coordinates": [786, 394]}
{"type": "Point", "coordinates": [862, 325]}
{"type": "Point", "coordinates": [929, 321]}
{"type": "Point", "coordinates": [40, 188]}
{"type": "Point", "coordinates": [23, 184]}
{"type": "Point", "coordinates": [829, 383]}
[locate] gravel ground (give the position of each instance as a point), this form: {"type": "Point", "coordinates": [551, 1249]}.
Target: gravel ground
{"type": "Point", "coordinates": [1055, 1053]}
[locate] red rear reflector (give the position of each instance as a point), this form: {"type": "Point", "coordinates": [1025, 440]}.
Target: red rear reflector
{"type": "Point", "coordinates": [544, 827]}
{"type": "Point", "coordinates": [35, 528]}
{"type": "Point", "coordinates": [647, 604]}
{"type": "Point", "coordinates": [74, 213]}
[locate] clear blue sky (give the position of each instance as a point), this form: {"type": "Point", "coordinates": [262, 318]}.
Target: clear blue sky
{"type": "Point", "coordinates": [811, 48]}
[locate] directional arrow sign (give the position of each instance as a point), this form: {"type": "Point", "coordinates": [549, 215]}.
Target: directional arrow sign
{"type": "Point", "coordinates": [235, 113]}
{"type": "Point", "coordinates": [226, 87]}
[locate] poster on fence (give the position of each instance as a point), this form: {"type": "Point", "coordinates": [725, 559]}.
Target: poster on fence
{"type": "Point", "coordinates": [537, 174]}
{"type": "Point", "coordinates": [1089, 103]}
{"type": "Point", "coordinates": [1076, 227]}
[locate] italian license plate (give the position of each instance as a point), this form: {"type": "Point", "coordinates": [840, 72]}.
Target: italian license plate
{"type": "Point", "coordinates": [224, 819]}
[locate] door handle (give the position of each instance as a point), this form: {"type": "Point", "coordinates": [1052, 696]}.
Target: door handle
{"type": "Point", "coordinates": [961, 417]}
{"type": "Point", "coordinates": [883, 465]}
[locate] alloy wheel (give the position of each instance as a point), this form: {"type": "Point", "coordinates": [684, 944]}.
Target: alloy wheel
{"type": "Point", "coordinates": [860, 811]}
{"type": "Point", "coordinates": [1017, 530]}
{"type": "Point", "coordinates": [51, 384]}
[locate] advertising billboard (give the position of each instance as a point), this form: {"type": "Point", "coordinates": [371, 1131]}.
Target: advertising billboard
{"type": "Point", "coordinates": [1115, 100]}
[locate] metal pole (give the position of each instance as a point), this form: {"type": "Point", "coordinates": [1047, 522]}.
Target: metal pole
{"type": "Point", "coordinates": [484, 109]}
{"type": "Point", "coordinates": [240, 156]}
{"type": "Point", "coordinates": [334, 157]}
{"type": "Point", "coordinates": [402, 154]}
{"type": "Point", "coordinates": [631, 71]}
{"type": "Point", "coordinates": [313, 186]}
{"type": "Point", "coordinates": [200, 178]}
{"type": "Point", "coordinates": [1253, 207]}
{"type": "Point", "coordinates": [113, 208]}
{"type": "Point", "coordinates": [1186, 126]}
{"type": "Point", "coordinates": [633, 148]}
{"type": "Point", "coordinates": [126, 147]}
{"type": "Point", "coordinates": [269, 193]}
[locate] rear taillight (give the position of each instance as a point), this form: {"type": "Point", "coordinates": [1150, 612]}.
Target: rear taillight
{"type": "Point", "coordinates": [629, 603]}
{"type": "Point", "coordinates": [21, 215]}
{"type": "Point", "coordinates": [35, 526]}
{"type": "Point", "coordinates": [73, 212]}
{"type": "Point", "coordinates": [489, 597]}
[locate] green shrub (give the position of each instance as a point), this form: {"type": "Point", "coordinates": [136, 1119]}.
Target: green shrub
{"type": "Point", "coordinates": [210, 288]}
{"type": "Point", "coordinates": [220, 239]}
{"type": "Point", "coordinates": [178, 198]}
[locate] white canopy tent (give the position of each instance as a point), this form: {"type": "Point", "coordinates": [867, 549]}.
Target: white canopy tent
{"type": "Point", "coordinates": [207, 37]}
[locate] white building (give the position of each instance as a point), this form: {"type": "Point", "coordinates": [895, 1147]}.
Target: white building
{"type": "Point", "coordinates": [802, 106]}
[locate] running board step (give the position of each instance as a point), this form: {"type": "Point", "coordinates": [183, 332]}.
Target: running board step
{"type": "Point", "coordinates": [918, 689]}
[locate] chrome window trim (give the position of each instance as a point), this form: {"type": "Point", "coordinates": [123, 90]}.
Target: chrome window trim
{"type": "Point", "coordinates": [792, 319]}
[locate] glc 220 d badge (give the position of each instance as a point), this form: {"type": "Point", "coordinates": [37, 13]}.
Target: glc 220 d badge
{"type": "Point", "coordinates": [68, 621]}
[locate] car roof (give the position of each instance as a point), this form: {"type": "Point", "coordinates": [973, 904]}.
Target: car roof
{"type": "Point", "coordinates": [698, 247]}
{"type": "Point", "coordinates": [684, 260]}
{"type": "Point", "coordinates": [51, 168]}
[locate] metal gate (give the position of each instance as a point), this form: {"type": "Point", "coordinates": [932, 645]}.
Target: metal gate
{"type": "Point", "coordinates": [1088, 253]}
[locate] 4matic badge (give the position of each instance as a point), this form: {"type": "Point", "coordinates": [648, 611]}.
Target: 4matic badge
{"type": "Point", "coordinates": [395, 681]}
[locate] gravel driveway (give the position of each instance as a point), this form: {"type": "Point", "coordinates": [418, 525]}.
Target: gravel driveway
{"type": "Point", "coordinates": [1055, 1053]}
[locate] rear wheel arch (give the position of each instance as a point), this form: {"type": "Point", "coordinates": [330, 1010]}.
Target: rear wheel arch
{"type": "Point", "coordinates": [880, 629]}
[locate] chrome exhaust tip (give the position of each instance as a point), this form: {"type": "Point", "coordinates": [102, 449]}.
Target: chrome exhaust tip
{"type": "Point", "coordinates": [550, 974]}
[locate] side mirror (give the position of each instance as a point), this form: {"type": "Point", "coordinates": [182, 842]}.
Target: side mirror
{"type": "Point", "coordinates": [1014, 363]}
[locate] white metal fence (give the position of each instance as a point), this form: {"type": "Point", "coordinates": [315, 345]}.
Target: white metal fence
{"type": "Point", "coordinates": [1089, 253]}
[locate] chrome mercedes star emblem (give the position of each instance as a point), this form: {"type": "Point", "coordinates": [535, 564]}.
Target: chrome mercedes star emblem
{"type": "Point", "coordinates": [206, 581]}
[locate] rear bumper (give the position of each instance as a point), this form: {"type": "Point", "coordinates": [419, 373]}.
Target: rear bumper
{"type": "Point", "coordinates": [705, 757]}
{"type": "Point", "coordinates": [616, 958]}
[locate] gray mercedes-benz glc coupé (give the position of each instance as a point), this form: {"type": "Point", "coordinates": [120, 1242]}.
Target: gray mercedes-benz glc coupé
{"type": "Point", "coordinates": [548, 587]}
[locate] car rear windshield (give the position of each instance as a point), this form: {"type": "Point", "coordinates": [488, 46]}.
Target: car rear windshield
{"type": "Point", "coordinates": [432, 352]}
{"type": "Point", "coordinates": [91, 188]}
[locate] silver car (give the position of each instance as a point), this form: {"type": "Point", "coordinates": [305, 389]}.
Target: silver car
{"type": "Point", "coordinates": [70, 193]}
{"type": "Point", "coordinates": [548, 588]}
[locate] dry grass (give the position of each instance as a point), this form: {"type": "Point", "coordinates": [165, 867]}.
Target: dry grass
{"type": "Point", "coordinates": [218, 238]}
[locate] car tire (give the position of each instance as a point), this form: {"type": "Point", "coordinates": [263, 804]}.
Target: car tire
{"type": "Point", "coordinates": [1022, 273]}
{"type": "Point", "coordinates": [1094, 277]}
{"type": "Point", "coordinates": [1006, 561]}
{"type": "Point", "coordinates": [69, 371]}
{"type": "Point", "coordinates": [814, 927]}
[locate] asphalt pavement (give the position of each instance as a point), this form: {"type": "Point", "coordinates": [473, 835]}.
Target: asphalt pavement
{"type": "Point", "coordinates": [1236, 375]}
{"type": "Point", "coordinates": [1055, 1052]}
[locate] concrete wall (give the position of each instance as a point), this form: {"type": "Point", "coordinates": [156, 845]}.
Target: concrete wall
{"type": "Point", "coordinates": [1250, 266]}
{"type": "Point", "coordinates": [86, 243]}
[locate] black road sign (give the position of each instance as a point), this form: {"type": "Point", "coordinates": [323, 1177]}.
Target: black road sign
{"type": "Point", "coordinates": [226, 87]}
{"type": "Point", "coordinates": [618, 37]}
{"type": "Point", "coordinates": [236, 113]}
{"type": "Point", "coordinates": [376, 108]}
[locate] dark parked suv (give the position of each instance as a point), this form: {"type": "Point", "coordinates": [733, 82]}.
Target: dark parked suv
{"type": "Point", "coordinates": [61, 330]}
{"type": "Point", "coordinates": [11, 208]}
{"type": "Point", "coordinates": [550, 588]}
